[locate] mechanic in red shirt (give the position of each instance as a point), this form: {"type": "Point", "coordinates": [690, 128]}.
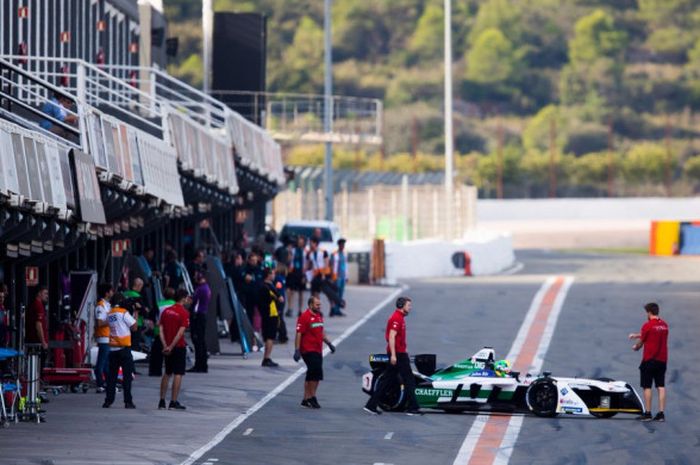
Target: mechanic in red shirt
{"type": "Point", "coordinates": [399, 362]}
{"type": "Point", "coordinates": [173, 322]}
{"type": "Point", "coordinates": [654, 338]}
{"type": "Point", "coordinates": [309, 346]}
{"type": "Point", "coordinates": [37, 331]}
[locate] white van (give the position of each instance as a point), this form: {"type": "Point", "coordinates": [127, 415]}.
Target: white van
{"type": "Point", "coordinates": [330, 233]}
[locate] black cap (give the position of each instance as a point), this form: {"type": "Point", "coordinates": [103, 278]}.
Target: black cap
{"type": "Point", "coordinates": [341, 241]}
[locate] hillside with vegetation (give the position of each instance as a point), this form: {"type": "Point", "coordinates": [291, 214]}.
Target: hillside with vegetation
{"type": "Point", "coordinates": [600, 95]}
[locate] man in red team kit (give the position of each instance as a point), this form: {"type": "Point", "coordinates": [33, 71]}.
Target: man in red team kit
{"type": "Point", "coordinates": [309, 346]}
{"type": "Point", "coordinates": [654, 338]}
{"type": "Point", "coordinates": [173, 322]}
{"type": "Point", "coordinates": [400, 363]}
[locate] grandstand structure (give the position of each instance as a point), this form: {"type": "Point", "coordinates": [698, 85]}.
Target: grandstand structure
{"type": "Point", "coordinates": [102, 152]}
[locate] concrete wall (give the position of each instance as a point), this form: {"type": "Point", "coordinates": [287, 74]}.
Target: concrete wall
{"type": "Point", "coordinates": [582, 223]}
{"type": "Point", "coordinates": [490, 252]}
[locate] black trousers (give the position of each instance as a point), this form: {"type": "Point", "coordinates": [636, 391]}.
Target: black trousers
{"type": "Point", "coordinates": [155, 359]}
{"type": "Point", "coordinates": [199, 329]}
{"type": "Point", "coordinates": [402, 368]}
{"type": "Point", "coordinates": [282, 334]}
{"type": "Point", "coordinates": [120, 358]}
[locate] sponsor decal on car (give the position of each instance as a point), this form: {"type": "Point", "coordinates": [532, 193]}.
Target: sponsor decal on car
{"type": "Point", "coordinates": [434, 392]}
{"type": "Point", "coordinates": [564, 391]}
{"type": "Point", "coordinates": [572, 409]}
{"type": "Point", "coordinates": [483, 374]}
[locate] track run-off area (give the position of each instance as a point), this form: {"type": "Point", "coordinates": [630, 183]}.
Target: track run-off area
{"type": "Point", "coordinates": [567, 313]}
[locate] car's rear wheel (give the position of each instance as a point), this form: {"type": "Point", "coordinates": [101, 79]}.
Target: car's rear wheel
{"type": "Point", "coordinates": [542, 398]}
{"type": "Point", "coordinates": [393, 397]}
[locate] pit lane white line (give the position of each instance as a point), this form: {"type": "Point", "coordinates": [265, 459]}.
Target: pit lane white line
{"type": "Point", "coordinates": [515, 423]}
{"type": "Point", "coordinates": [247, 432]}
{"type": "Point", "coordinates": [221, 435]}
{"type": "Point", "coordinates": [389, 435]}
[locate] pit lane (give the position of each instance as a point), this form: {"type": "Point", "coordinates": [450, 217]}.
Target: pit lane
{"type": "Point", "coordinates": [453, 318]}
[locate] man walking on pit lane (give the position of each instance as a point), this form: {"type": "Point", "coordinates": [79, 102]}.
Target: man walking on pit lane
{"type": "Point", "coordinates": [654, 338]}
{"type": "Point", "coordinates": [399, 362]}
{"type": "Point", "coordinates": [309, 346]}
{"type": "Point", "coordinates": [173, 322]}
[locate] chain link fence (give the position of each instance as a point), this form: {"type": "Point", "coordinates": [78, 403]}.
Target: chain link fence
{"type": "Point", "coordinates": [398, 213]}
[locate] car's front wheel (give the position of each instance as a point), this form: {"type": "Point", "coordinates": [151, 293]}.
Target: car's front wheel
{"type": "Point", "coordinates": [542, 398]}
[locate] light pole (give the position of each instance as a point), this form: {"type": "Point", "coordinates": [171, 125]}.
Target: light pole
{"type": "Point", "coordinates": [207, 35]}
{"type": "Point", "coordinates": [328, 109]}
{"type": "Point", "coordinates": [449, 140]}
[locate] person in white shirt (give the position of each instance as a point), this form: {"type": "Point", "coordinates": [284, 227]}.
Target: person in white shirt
{"type": "Point", "coordinates": [105, 291]}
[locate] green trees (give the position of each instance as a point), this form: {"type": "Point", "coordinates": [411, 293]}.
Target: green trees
{"type": "Point", "coordinates": [596, 57]}
{"type": "Point", "coordinates": [579, 67]}
{"type": "Point", "coordinates": [303, 61]}
{"type": "Point", "coordinates": [492, 59]}
{"type": "Point", "coordinates": [427, 41]}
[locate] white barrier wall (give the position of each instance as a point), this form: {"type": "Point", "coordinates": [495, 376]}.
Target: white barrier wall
{"type": "Point", "coordinates": [582, 223]}
{"type": "Point", "coordinates": [647, 208]}
{"type": "Point", "coordinates": [490, 252]}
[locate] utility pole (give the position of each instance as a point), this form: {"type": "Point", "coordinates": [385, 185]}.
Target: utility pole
{"type": "Point", "coordinates": [328, 107]}
{"type": "Point", "coordinates": [499, 160]}
{"type": "Point", "coordinates": [611, 160]}
{"type": "Point", "coordinates": [667, 161]}
{"type": "Point", "coordinates": [552, 158]}
{"type": "Point", "coordinates": [449, 139]}
{"type": "Point", "coordinates": [207, 37]}
{"type": "Point", "coordinates": [414, 143]}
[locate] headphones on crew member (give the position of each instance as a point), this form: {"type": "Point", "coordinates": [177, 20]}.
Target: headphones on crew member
{"type": "Point", "coordinates": [401, 302]}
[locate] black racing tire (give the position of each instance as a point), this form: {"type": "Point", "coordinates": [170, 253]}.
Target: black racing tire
{"type": "Point", "coordinates": [393, 398]}
{"type": "Point", "coordinates": [542, 398]}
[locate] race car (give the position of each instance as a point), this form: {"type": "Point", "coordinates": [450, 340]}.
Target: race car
{"type": "Point", "coordinates": [483, 383]}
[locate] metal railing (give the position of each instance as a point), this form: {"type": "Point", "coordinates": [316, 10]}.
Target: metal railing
{"type": "Point", "coordinates": [289, 116]}
{"type": "Point", "coordinates": [199, 106]}
{"type": "Point", "coordinates": [95, 87]}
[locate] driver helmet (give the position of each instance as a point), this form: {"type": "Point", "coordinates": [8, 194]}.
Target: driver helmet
{"type": "Point", "coordinates": [502, 367]}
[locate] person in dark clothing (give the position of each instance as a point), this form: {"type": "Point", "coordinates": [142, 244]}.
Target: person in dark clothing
{"type": "Point", "coordinates": [150, 256]}
{"type": "Point", "coordinates": [280, 282]}
{"type": "Point", "coordinates": [4, 318]}
{"type": "Point", "coordinates": [252, 277]}
{"type": "Point", "coordinates": [136, 305]}
{"type": "Point", "coordinates": [197, 265]}
{"type": "Point", "coordinates": [296, 276]}
{"type": "Point", "coordinates": [172, 273]}
{"type": "Point", "coordinates": [283, 253]}
{"type": "Point", "coordinates": [399, 362]}
{"type": "Point", "coordinates": [235, 271]}
{"type": "Point", "coordinates": [200, 309]}
{"type": "Point", "coordinates": [268, 301]}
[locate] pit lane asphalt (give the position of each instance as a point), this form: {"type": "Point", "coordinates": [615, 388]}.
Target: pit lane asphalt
{"type": "Point", "coordinates": [455, 317]}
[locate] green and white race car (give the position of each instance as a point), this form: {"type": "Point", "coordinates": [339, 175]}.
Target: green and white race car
{"type": "Point", "coordinates": [483, 383]}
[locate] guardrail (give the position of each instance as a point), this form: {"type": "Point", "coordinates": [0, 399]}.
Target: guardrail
{"type": "Point", "coordinates": [200, 107]}
{"type": "Point", "coordinates": [95, 87]}
{"type": "Point", "coordinates": [198, 120]}
{"type": "Point", "coordinates": [130, 156]}
{"type": "Point", "coordinates": [299, 117]}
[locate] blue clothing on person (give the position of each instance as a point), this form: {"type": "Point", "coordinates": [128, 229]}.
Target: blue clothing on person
{"type": "Point", "coordinates": [54, 109]}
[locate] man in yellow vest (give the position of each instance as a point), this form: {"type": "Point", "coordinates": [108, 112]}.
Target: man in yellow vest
{"type": "Point", "coordinates": [121, 323]}
{"type": "Point", "coordinates": [105, 291]}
